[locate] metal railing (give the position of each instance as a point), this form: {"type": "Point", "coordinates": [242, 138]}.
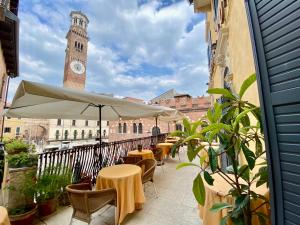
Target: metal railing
{"type": "Point", "coordinates": [87, 160]}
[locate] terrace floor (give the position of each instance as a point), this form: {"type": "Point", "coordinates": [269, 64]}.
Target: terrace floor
{"type": "Point", "coordinates": [174, 206]}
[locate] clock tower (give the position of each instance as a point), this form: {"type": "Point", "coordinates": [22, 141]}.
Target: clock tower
{"type": "Point", "coordinates": [76, 51]}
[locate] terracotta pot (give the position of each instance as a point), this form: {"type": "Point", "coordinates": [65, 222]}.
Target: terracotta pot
{"type": "Point", "coordinates": [47, 207]}
{"type": "Point", "coordinates": [23, 219]}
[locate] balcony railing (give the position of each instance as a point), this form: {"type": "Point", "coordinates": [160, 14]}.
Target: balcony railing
{"type": "Point", "coordinates": [87, 160]}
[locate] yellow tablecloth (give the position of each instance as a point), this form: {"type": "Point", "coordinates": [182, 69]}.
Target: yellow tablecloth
{"type": "Point", "coordinates": [218, 193]}
{"type": "Point", "coordinates": [4, 220]}
{"type": "Point", "coordinates": [165, 147]}
{"type": "Point", "coordinates": [126, 179]}
{"type": "Point", "coordinates": [146, 154]}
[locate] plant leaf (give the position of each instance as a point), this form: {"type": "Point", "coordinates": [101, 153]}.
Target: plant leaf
{"type": "Point", "coordinates": [249, 155]}
{"type": "Point", "coordinates": [219, 206]}
{"type": "Point", "coordinates": [208, 178]}
{"type": "Point", "coordinates": [240, 116]}
{"type": "Point", "coordinates": [186, 125]}
{"type": "Point", "coordinates": [246, 84]}
{"type": "Point", "coordinates": [184, 164]}
{"type": "Point", "coordinates": [221, 91]}
{"type": "Point", "coordinates": [199, 190]}
{"type": "Point", "coordinates": [213, 159]}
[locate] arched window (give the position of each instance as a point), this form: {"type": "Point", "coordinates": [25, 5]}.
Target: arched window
{"type": "Point", "coordinates": [86, 123]}
{"type": "Point", "coordinates": [81, 47]}
{"type": "Point", "coordinates": [155, 131]}
{"type": "Point", "coordinates": [75, 44]}
{"type": "Point", "coordinates": [120, 128]}
{"type": "Point", "coordinates": [90, 134]}
{"type": "Point", "coordinates": [82, 134]}
{"type": "Point", "coordinates": [81, 22]}
{"type": "Point", "coordinates": [58, 122]}
{"type": "Point", "coordinates": [178, 127]}
{"type": "Point", "coordinates": [56, 134]}
{"type": "Point", "coordinates": [75, 134]}
{"type": "Point", "coordinates": [140, 130]}
{"type": "Point", "coordinates": [66, 134]}
{"type": "Point", "coordinates": [124, 128]}
{"type": "Point", "coordinates": [134, 128]}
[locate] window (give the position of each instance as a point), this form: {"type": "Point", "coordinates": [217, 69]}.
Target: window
{"type": "Point", "coordinates": [7, 129]}
{"type": "Point", "coordinates": [75, 134]}
{"type": "Point", "coordinates": [86, 123]}
{"type": "Point", "coordinates": [73, 122]}
{"type": "Point", "coordinates": [107, 123]}
{"type": "Point", "coordinates": [98, 123]}
{"type": "Point", "coordinates": [58, 122]}
{"type": "Point", "coordinates": [104, 133]}
{"type": "Point", "coordinates": [90, 134]}
{"type": "Point", "coordinates": [18, 129]}
{"type": "Point", "coordinates": [82, 134]}
{"type": "Point", "coordinates": [56, 134]}
{"type": "Point", "coordinates": [81, 22]}
{"type": "Point", "coordinates": [124, 128]}
{"type": "Point", "coordinates": [81, 47]}
{"type": "Point", "coordinates": [134, 128]}
{"type": "Point", "coordinates": [140, 130]}
{"type": "Point", "coordinates": [75, 44]}
{"type": "Point", "coordinates": [155, 131]}
{"type": "Point", "coordinates": [120, 128]}
{"type": "Point", "coordinates": [66, 134]}
{"type": "Point", "coordinates": [98, 133]}
{"type": "Point", "coordinates": [178, 127]}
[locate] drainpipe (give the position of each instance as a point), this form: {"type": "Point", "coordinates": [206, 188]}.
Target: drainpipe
{"type": "Point", "coordinates": [5, 102]}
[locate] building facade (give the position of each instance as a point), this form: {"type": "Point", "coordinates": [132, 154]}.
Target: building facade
{"type": "Point", "coordinates": [192, 107]}
{"type": "Point", "coordinates": [9, 49]}
{"type": "Point", "coordinates": [230, 55]}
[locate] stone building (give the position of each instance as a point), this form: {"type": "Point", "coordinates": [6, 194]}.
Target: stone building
{"type": "Point", "coordinates": [230, 54]}
{"type": "Point", "coordinates": [192, 107]}
{"type": "Point", "coordinates": [9, 48]}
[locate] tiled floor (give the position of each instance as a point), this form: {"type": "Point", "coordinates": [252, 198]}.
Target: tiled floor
{"type": "Point", "coordinates": [174, 206]}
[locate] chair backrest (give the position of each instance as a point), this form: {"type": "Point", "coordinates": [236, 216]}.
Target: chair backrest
{"type": "Point", "coordinates": [157, 154]}
{"type": "Point", "coordinates": [85, 201]}
{"type": "Point", "coordinates": [148, 166]}
{"type": "Point", "coordinates": [132, 159]}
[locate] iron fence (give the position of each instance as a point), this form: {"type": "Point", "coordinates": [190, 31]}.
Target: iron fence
{"type": "Point", "coordinates": [87, 160]}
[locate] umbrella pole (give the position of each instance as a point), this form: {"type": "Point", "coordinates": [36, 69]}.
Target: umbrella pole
{"type": "Point", "coordinates": [156, 130]}
{"type": "Point", "coordinates": [100, 138]}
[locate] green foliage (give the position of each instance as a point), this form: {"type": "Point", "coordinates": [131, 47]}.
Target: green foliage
{"type": "Point", "coordinates": [236, 125]}
{"type": "Point", "coordinates": [22, 159]}
{"type": "Point", "coordinates": [16, 146]}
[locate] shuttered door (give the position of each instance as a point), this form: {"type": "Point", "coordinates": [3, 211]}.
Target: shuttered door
{"type": "Point", "coordinates": [275, 27]}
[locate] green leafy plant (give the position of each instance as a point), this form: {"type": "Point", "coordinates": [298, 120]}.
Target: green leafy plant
{"type": "Point", "coordinates": [52, 182]}
{"type": "Point", "coordinates": [16, 146]}
{"type": "Point", "coordinates": [22, 159]}
{"type": "Point", "coordinates": [236, 124]}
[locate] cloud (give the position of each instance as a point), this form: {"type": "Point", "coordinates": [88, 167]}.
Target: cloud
{"type": "Point", "coordinates": [136, 48]}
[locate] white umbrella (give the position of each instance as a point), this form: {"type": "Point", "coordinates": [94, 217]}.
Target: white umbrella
{"type": "Point", "coordinates": [41, 101]}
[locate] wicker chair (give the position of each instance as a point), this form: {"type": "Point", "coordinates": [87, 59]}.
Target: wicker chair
{"type": "Point", "coordinates": [132, 159]}
{"type": "Point", "coordinates": [148, 167]}
{"type": "Point", "coordinates": [158, 155]}
{"type": "Point", "coordinates": [85, 201]}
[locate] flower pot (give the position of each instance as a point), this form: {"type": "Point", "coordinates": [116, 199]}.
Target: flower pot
{"type": "Point", "coordinates": [47, 207]}
{"type": "Point", "coordinates": [23, 219]}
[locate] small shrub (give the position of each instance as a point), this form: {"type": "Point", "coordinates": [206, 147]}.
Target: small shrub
{"type": "Point", "coordinates": [16, 146]}
{"type": "Point", "coordinates": [22, 159]}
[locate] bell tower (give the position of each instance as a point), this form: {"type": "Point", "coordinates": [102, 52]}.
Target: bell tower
{"type": "Point", "coordinates": [76, 51]}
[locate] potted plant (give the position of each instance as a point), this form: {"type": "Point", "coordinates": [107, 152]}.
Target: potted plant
{"type": "Point", "coordinates": [236, 124]}
{"type": "Point", "coordinates": [47, 192]}
{"type": "Point", "coordinates": [24, 212]}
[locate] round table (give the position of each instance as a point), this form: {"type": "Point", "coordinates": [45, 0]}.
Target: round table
{"type": "Point", "coordinates": [218, 193]}
{"type": "Point", "coordinates": [165, 147]}
{"type": "Point", "coordinates": [126, 179]}
{"type": "Point", "coordinates": [4, 220]}
{"type": "Point", "coordinates": [145, 153]}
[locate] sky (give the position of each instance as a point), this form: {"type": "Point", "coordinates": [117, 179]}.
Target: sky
{"type": "Point", "coordinates": [137, 48]}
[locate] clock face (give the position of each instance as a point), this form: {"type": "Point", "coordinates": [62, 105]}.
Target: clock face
{"type": "Point", "coordinates": [77, 67]}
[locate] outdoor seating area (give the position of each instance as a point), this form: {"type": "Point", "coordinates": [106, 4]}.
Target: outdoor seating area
{"type": "Point", "coordinates": [122, 195]}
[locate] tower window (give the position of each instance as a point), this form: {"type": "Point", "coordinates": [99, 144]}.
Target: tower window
{"type": "Point", "coordinates": [81, 47]}
{"type": "Point", "coordinates": [81, 22]}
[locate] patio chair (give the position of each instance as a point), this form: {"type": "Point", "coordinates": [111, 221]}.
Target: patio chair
{"type": "Point", "coordinates": [148, 167]}
{"type": "Point", "coordinates": [132, 159]}
{"type": "Point", "coordinates": [158, 155]}
{"type": "Point", "coordinates": [85, 201]}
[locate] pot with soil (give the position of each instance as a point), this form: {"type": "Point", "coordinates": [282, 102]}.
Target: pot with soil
{"type": "Point", "coordinates": [23, 215]}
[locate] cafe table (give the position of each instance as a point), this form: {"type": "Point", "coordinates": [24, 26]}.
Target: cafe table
{"type": "Point", "coordinates": [4, 220]}
{"type": "Point", "coordinates": [218, 193]}
{"type": "Point", "coordinates": [145, 153]}
{"type": "Point", "coordinates": [127, 181]}
{"type": "Point", "coordinates": [165, 147]}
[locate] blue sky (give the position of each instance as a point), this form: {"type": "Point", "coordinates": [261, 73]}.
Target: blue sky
{"type": "Point", "coordinates": [137, 48]}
